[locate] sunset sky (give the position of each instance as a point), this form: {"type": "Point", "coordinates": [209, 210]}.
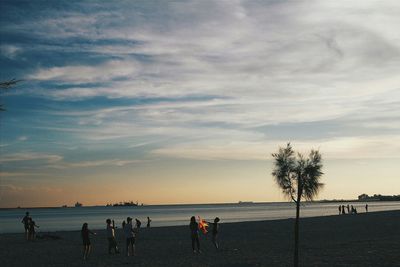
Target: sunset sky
{"type": "Point", "coordinates": [184, 101]}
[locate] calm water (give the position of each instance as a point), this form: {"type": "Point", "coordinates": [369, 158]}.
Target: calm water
{"type": "Point", "coordinates": [55, 219]}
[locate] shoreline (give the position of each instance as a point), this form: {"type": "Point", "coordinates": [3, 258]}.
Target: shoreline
{"type": "Point", "coordinates": [249, 221]}
{"type": "Point", "coordinates": [365, 239]}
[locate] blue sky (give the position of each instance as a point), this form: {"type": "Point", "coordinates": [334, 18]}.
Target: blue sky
{"type": "Point", "coordinates": [160, 94]}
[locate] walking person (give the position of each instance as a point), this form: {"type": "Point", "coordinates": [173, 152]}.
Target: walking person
{"type": "Point", "coordinates": [112, 242]}
{"type": "Point", "coordinates": [194, 234]}
{"type": "Point", "coordinates": [366, 207]}
{"type": "Point", "coordinates": [130, 237]}
{"type": "Point", "coordinates": [86, 240]}
{"type": "Point", "coordinates": [148, 222]}
{"type": "Point", "coordinates": [25, 221]}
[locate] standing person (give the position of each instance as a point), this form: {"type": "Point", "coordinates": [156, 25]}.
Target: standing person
{"type": "Point", "coordinates": [366, 207]}
{"type": "Point", "coordinates": [194, 234]}
{"type": "Point", "coordinates": [31, 229]}
{"type": "Point", "coordinates": [215, 232]}
{"type": "Point", "coordinates": [112, 242]}
{"type": "Point", "coordinates": [25, 221]}
{"type": "Point", "coordinates": [138, 223]}
{"type": "Point", "coordinates": [130, 237]}
{"type": "Point", "coordinates": [343, 210]}
{"type": "Point", "coordinates": [148, 222]}
{"type": "Point", "coordinates": [348, 209]}
{"type": "Point", "coordinates": [340, 209]}
{"type": "Point", "coordinates": [86, 240]}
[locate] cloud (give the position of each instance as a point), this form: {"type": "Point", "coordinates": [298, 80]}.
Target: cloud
{"type": "Point", "coordinates": [10, 51]}
{"type": "Point", "coordinates": [30, 156]}
{"type": "Point", "coordinates": [84, 74]}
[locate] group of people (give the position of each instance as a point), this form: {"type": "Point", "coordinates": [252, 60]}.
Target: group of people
{"type": "Point", "coordinates": [194, 233]}
{"type": "Point", "coordinates": [29, 225]}
{"type": "Point", "coordinates": [350, 209]}
{"type": "Point", "coordinates": [131, 231]}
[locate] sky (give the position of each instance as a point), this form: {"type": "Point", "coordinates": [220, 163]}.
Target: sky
{"type": "Point", "coordinates": [184, 101]}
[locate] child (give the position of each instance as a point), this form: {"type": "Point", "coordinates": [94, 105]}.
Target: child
{"type": "Point", "coordinates": [31, 229]}
{"type": "Point", "coordinates": [86, 240]}
{"type": "Point", "coordinates": [112, 242]}
{"type": "Point", "coordinates": [215, 232]}
{"type": "Point", "coordinates": [130, 237]}
{"type": "Point", "coordinates": [194, 234]}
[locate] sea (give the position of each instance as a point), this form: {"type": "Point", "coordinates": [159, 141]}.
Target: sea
{"type": "Point", "coordinates": [72, 218]}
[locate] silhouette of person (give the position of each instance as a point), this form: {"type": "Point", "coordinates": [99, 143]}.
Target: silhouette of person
{"type": "Point", "coordinates": [86, 240]}
{"type": "Point", "coordinates": [25, 221]}
{"type": "Point", "coordinates": [343, 210]}
{"type": "Point", "coordinates": [130, 237]}
{"type": "Point", "coordinates": [348, 208]}
{"type": "Point", "coordinates": [340, 209]}
{"type": "Point", "coordinates": [31, 229]}
{"type": "Point", "coordinates": [194, 234]}
{"type": "Point", "coordinates": [215, 229]}
{"type": "Point", "coordinates": [138, 223]}
{"type": "Point", "coordinates": [112, 242]}
{"type": "Point", "coordinates": [148, 222]}
{"type": "Point", "coordinates": [366, 207]}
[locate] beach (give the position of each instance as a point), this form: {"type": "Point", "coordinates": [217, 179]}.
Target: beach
{"type": "Point", "coordinates": [367, 239]}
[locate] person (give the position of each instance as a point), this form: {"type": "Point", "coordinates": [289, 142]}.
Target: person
{"type": "Point", "coordinates": [215, 232]}
{"type": "Point", "coordinates": [343, 210]}
{"type": "Point", "coordinates": [348, 209]}
{"type": "Point", "coordinates": [86, 240]}
{"type": "Point", "coordinates": [31, 229]}
{"type": "Point", "coordinates": [352, 209]}
{"type": "Point", "coordinates": [340, 209]}
{"type": "Point", "coordinates": [25, 221]}
{"type": "Point", "coordinates": [194, 234]}
{"type": "Point", "coordinates": [366, 207]}
{"type": "Point", "coordinates": [130, 237]}
{"type": "Point", "coordinates": [138, 223]}
{"type": "Point", "coordinates": [112, 242]}
{"type": "Point", "coordinates": [148, 222]}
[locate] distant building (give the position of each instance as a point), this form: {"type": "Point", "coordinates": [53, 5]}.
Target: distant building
{"type": "Point", "coordinates": [77, 205]}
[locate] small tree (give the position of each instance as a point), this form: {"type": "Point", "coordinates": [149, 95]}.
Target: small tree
{"type": "Point", "coordinates": [299, 178]}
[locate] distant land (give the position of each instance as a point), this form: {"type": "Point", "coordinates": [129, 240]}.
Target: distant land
{"type": "Point", "coordinates": [361, 198]}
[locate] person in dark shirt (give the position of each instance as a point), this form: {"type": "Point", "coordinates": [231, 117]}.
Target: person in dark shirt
{"type": "Point", "coordinates": [215, 229]}
{"type": "Point", "coordinates": [148, 222]}
{"type": "Point", "coordinates": [25, 221]}
{"type": "Point", "coordinates": [31, 229]}
{"type": "Point", "coordinates": [138, 223]}
{"type": "Point", "coordinates": [86, 240]}
{"type": "Point", "coordinates": [194, 234]}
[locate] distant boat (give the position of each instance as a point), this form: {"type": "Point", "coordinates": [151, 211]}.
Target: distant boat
{"type": "Point", "coordinates": [245, 202]}
{"type": "Point", "coordinates": [77, 205]}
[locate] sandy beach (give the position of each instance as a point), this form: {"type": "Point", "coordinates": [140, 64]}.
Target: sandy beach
{"type": "Point", "coordinates": [371, 239]}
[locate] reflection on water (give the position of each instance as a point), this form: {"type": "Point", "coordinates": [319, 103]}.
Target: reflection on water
{"type": "Point", "coordinates": [53, 219]}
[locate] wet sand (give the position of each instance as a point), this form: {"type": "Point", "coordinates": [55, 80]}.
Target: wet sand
{"type": "Point", "coordinates": [371, 239]}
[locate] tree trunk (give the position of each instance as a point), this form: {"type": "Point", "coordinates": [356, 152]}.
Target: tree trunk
{"type": "Point", "coordinates": [296, 235]}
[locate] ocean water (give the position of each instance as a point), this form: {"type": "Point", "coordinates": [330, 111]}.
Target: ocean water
{"type": "Point", "coordinates": [61, 219]}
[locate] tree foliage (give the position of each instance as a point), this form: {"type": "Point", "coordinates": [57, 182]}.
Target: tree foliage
{"type": "Point", "coordinates": [298, 177]}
